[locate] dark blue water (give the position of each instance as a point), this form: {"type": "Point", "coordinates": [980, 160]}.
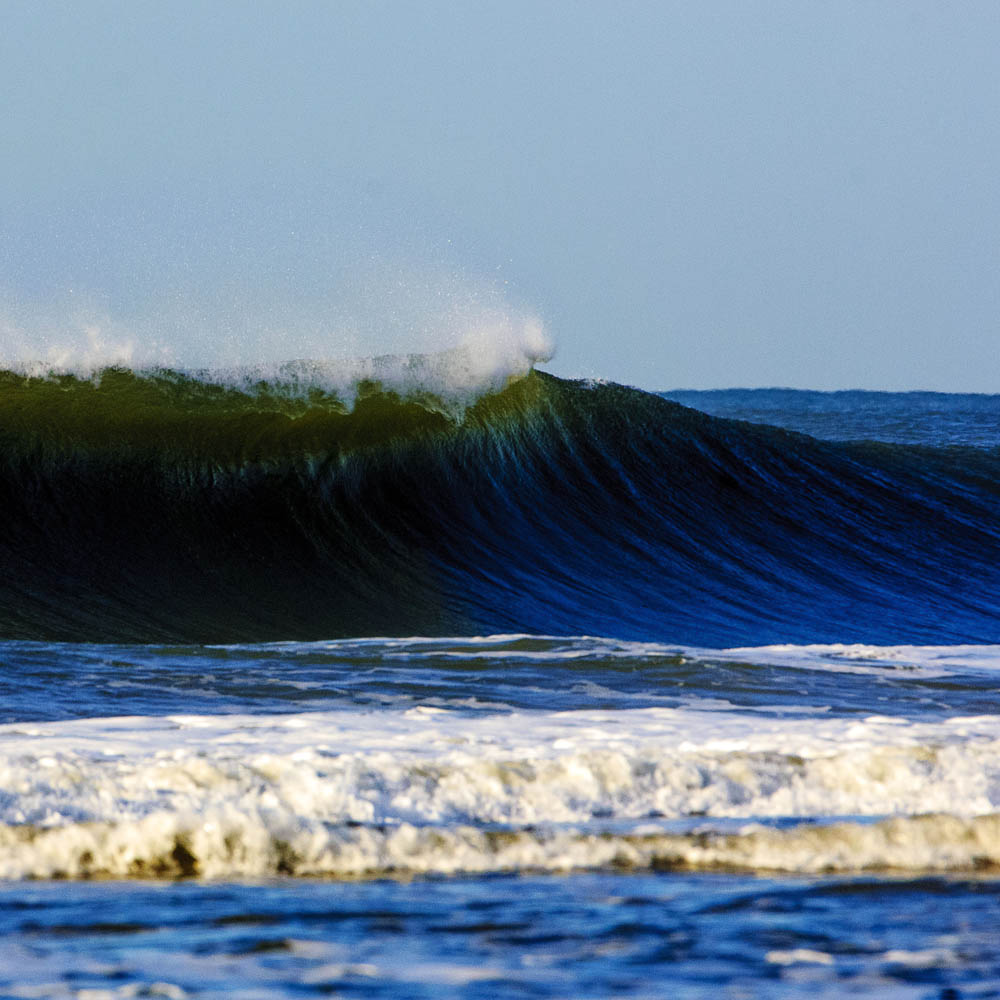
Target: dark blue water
{"type": "Point", "coordinates": [914, 418]}
{"type": "Point", "coordinates": [586, 936]}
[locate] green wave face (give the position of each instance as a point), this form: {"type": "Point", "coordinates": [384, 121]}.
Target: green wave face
{"type": "Point", "coordinates": [178, 414]}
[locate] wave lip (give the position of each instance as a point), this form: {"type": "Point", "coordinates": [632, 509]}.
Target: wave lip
{"type": "Point", "coordinates": [496, 349]}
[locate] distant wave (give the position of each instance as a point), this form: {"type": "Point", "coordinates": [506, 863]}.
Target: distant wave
{"type": "Point", "coordinates": [163, 506]}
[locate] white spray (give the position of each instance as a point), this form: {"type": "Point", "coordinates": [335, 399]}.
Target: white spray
{"type": "Point", "coordinates": [446, 339]}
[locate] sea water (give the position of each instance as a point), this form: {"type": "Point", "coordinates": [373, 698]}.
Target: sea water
{"type": "Point", "coordinates": [572, 693]}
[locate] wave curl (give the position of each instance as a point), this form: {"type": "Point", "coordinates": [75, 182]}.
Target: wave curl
{"type": "Point", "coordinates": [168, 507]}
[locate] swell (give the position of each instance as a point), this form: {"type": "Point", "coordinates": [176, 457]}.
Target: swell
{"type": "Point", "coordinates": [163, 508]}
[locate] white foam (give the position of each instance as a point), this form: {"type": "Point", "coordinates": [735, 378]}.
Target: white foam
{"type": "Point", "coordinates": [467, 351]}
{"type": "Point", "coordinates": [489, 358]}
{"type": "Point", "coordinates": [799, 956]}
{"type": "Point", "coordinates": [76, 345]}
{"type": "Point", "coordinates": [928, 661]}
{"type": "Point", "coordinates": [432, 765]}
{"type": "Point", "coordinates": [237, 788]}
{"type": "Point", "coordinates": [233, 844]}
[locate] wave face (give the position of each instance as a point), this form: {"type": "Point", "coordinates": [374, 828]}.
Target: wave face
{"type": "Point", "coordinates": [163, 507]}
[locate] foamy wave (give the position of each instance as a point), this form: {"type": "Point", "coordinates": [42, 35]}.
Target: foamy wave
{"type": "Point", "coordinates": [434, 766]}
{"type": "Point", "coordinates": [482, 351]}
{"type": "Point", "coordinates": [928, 661]}
{"type": "Point", "coordinates": [82, 347]}
{"type": "Point", "coordinates": [229, 844]}
{"type": "Point", "coordinates": [353, 783]}
{"type": "Point", "coordinates": [489, 358]}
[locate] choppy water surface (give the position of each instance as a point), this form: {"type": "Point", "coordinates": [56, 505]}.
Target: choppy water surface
{"type": "Point", "coordinates": [598, 935]}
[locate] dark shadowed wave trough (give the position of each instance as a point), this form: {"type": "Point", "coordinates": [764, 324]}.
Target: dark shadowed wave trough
{"type": "Point", "coordinates": [161, 507]}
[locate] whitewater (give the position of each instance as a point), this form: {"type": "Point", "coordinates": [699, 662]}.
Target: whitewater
{"type": "Point", "coordinates": [442, 676]}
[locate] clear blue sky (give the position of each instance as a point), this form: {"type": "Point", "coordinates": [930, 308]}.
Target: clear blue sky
{"type": "Point", "coordinates": [689, 194]}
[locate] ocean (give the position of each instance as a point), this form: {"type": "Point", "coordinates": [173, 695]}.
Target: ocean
{"type": "Point", "coordinates": [554, 689]}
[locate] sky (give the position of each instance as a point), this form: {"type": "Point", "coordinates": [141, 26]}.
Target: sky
{"type": "Point", "coordinates": [687, 195]}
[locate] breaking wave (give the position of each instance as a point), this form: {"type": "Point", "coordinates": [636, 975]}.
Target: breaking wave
{"type": "Point", "coordinates": [349, 794]}
{"type": "Point", "coordinates": [152, 506]}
